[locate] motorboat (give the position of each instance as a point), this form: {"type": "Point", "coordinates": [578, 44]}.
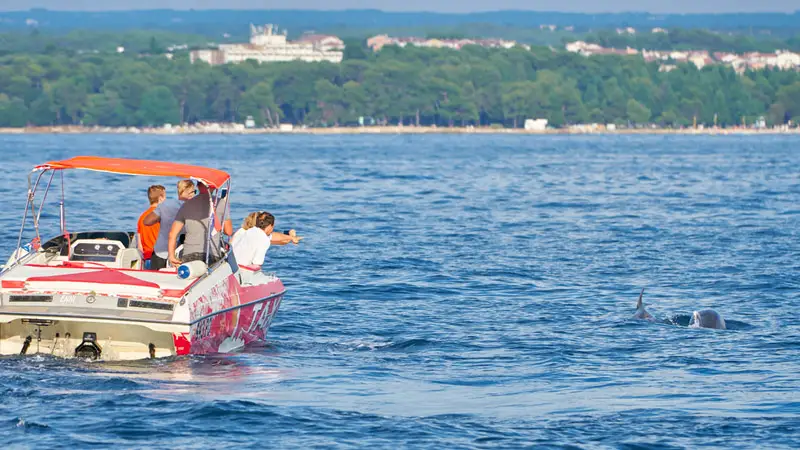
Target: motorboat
{"type": "Point", "coordinates": [87, 294]}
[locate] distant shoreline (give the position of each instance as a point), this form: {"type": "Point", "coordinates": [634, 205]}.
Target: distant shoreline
{"type": "Point", "coordinates": [233, 129]}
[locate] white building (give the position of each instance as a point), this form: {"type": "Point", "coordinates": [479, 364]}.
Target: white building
{"type": "Point", "coordinates": [582, 47]}
{"type": "Point", "coordinates": [268, 45]}
{"type": "Point", "coordinates": [698, 61]}
{"type": "Point", "coordinates": [536, 124]}
{"type": "Point", "coordinates": [324, 42]}
{"type": "Point", "coordinates": [787, 60]}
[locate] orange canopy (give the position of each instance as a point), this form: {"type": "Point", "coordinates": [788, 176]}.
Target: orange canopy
{"type": "Point", "coordinates": [213, 178]}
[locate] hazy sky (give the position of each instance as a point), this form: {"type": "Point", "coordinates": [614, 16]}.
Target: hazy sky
{"type": "Point", "coordinates": [656, 6]}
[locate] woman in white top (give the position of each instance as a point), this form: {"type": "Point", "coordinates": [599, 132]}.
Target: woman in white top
{"type": "Point", "coordinates": [249, 222]}
{"type": "Point", "coordinates": [250, 247]}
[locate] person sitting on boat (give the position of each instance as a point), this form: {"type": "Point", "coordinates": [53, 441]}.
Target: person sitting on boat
{"type": "Point", "coordinates": [164, 215]}
{"type": "Point", "coordinates": [147, 234]}
{"type": "Point", "coordinates": [250, 249]}
{"type": "Point", "coordinates": [193, 218]}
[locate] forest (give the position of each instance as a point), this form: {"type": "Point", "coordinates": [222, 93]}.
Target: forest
{"type": "Point", "coordinates": [413, 86]}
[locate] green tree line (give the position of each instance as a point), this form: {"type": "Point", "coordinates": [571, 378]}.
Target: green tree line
{"type": "Point", "coordinates": [95, 41]}
{"type": "Point", "coordinates": [413, 86]}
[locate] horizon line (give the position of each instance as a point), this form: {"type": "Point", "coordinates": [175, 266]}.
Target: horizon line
{"type": "Point", "coordinates": [385, 11]}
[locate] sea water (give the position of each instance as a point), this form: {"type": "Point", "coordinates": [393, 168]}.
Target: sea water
{"type": "Point", "coordinates": [456, 292]}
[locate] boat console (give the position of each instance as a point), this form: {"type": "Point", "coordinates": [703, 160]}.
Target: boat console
{"type": "Point", "coordinates": [97, 248]}
{"type": "Point", "coordinates": [124, 238]}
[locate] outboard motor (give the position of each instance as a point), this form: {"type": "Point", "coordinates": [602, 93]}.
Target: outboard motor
{"type": "Point", "coordinates": [88, 348]}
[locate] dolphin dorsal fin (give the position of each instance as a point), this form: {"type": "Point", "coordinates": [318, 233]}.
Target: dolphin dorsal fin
{"type": "Point", "coordinates": [639, 303]}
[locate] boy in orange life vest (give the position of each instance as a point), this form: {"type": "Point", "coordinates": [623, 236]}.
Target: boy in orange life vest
{"type": "Point", "coordinates": [148, 234]}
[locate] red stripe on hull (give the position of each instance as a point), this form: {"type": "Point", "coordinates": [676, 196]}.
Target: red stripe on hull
{"type": "Point", "coordinates": [104, 276]}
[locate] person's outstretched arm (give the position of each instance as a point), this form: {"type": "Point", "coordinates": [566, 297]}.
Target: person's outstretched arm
{"type": "Point", "coordinates": [283, 239]}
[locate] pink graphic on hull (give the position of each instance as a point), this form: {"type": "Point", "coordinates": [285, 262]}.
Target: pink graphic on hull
{"type": "Point", "coordinates": [182, 343]}
{"type": "Point", "coordinates": [230, 316]}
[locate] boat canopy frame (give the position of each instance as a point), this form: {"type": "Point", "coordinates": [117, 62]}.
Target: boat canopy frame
{"type": "Point", "coordinates": [214, 179]}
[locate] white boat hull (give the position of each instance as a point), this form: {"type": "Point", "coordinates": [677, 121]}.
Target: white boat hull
{"type": "Point", "coordinates": [134, 314]}
{"type": "Point", "coordinates": [60, 338]}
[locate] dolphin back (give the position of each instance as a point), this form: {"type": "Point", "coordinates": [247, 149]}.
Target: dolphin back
{"type": "Point", "coordinates": [641, 313]}
{"type": "Point", "coordinates": [707, 318]}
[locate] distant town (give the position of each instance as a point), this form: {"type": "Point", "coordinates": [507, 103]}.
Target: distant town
{"type": "Point", "coordinates": [269, 44]}
{"type": "Point", "coordinates": [784, 60]}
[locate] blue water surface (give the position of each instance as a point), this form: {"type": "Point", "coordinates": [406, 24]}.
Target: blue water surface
{"type": "Point", "coordinates": [456, 292]}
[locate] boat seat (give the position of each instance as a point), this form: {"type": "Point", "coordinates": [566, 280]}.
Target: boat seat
{"type": "Point", "coordinates": [129, 258]}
